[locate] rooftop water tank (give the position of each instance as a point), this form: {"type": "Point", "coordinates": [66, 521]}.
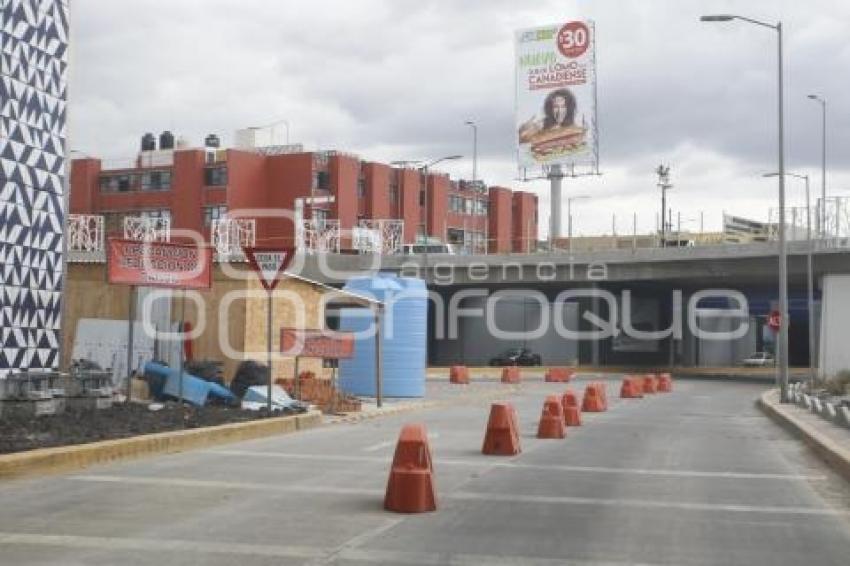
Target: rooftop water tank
{"type": "Point", "coordinates": [148, 142]}
{"type": "Point", "coordinates": [166, 140]}
{"type": "Point", "coordinates": [403, 337]}
{"type": "Point", "coordinates": [212, 140]}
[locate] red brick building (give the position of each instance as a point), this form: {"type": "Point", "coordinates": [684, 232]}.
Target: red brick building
{"type": "Point", "coordinates": [194, 187]}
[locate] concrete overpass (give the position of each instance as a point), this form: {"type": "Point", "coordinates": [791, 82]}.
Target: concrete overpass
{"type": "Point", "coordinates": [650, 276]}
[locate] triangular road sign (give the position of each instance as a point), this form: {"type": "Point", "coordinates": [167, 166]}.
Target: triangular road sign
{"type": "Point", "coordinates": [269, 263]}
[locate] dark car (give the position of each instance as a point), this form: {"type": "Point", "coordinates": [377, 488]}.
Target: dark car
{"type": "Point", "coordinates": [517, 357]}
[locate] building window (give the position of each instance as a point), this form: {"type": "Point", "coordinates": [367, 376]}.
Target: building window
{"type": "Point", "coordinates": [455, 236]}
{"type": "Point", "coordinates": [321, 181]}
{"type": "Point", "coordinates": [214, 213]}
{"type": "Point", "coordinates": [421, 198]}
{"type": "Point", "coordinates": [361, 186]}
{"type": "Point", "coordinates": [156, 180]}
{"type": "Point", "coordinates": [393, 194]}
{"type": "Point", "coordinates": [215, 176]}
{"type": "Point", "coordinates": [469, 204]}
{"type": "Point", "coordinates": [118, 183]}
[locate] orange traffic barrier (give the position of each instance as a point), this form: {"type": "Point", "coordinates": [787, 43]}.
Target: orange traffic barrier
{"type": "Point", "coordinates": [572, 416]}
{"type": "Point", "coordinates": [569, 399]}
{"type": "Point", "coordinates": [410, 488]}
{"type": "Point", "coordinates": [502, 436]}
{"type": "Point", "coordinates": [603, 392]}
{"type": "Point", "coordinates": [510, 374]}
{"type": "Point", "coordinates": [559, 375]}
{"type": "Point", "coordinates": [664, 382]}
{"type": "Point", "coordinates": [630, 388]}
{"type": "Point", "coordinates": [592, 401]}
{"type": "Point", "coordinates": [552, 419]}
{"type": "Point", "coordinates": [459, 375]}
{"type": "Point", "coordinates": [649, 383]}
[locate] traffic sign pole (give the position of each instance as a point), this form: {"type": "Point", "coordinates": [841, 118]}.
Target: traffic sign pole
{"type": "Point", "coordinates": [269, 264]}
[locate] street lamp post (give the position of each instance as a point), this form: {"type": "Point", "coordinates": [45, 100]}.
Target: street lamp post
{"type": "Point", "coordinates": [822, 211]}
{"type": "Point", "coordinates": [474, 127]}
{"type": "Point", "coordinates": [664, 183]}
{"type": "Point", "coordinates": [782, 376]}
{"type": "Point", "coordinates": [570, 217]}
{"type": "Point", "coordinates": [810, 292]}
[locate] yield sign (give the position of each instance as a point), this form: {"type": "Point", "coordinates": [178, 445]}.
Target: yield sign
{"type": "Point", "coordinates": [269, 263]}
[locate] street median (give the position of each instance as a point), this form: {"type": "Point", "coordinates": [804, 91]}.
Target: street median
{"type": "Point", "coordinates": [75, 457]}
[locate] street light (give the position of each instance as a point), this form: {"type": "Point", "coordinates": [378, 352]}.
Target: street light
{"type": "Point", "coordinates": [570, 217]}
{"type": "Point", "coordinates": [664, 184]}
{"type": "Point", "coordinates": [474, 127]}
{"type": "Point", "coordinates": [782, 377]}
{"type": "Point", "coordinates": [822, 212]}
{"type": "Point", "coordinates": [283, 121]}
{"type": "Point", "coordinates": [809, 277]}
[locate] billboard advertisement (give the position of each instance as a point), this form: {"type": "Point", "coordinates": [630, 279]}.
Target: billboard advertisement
{"type": "Point", "coordinates": [159, 264]}
{"type": "Point", "coordinates": [556, 94]}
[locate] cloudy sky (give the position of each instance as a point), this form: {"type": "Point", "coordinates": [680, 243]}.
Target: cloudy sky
{"type": "Point", "coordinates": [397, 79]}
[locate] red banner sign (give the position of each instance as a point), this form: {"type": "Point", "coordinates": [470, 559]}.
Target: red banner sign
{"type": "Point", "coordinates": [159, 264]}
{"type": "Point", "coordinates": [316, 343]}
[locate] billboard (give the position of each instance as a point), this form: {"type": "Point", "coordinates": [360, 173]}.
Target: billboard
{"type": "Point", "coordinates": [159, 264]}
{"type": "Point", "coordinates": [556, 94]}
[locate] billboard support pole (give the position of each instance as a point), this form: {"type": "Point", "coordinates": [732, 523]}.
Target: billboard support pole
{"type": "Point", "coordinates": [379, 357]}
{"type": "Point", "coordinates": [555, 178]}
{"type": "Point", "coordinates": [131, 323]}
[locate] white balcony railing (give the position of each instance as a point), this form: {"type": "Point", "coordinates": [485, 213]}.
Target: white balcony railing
{"type": "Point", "coordinates": [147, 229]}
{"type": "Point", "coordinates": [229, 236]}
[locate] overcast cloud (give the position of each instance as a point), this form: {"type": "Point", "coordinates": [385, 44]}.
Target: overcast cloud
{"type": "Point", "coordinates": [397, 79]}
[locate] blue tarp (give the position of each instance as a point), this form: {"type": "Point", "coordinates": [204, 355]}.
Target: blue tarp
{"type": "Point", "coordinates": [195, 390]}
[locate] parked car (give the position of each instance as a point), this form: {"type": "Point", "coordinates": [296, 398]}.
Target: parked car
{"type": "Point", "coordinates": [759, 359]}
{"type": "Point", "coordinates": [517, 357]}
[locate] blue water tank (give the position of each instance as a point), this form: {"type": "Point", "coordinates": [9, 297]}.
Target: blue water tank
{"type": "Point", "coordinates": [403, 337]}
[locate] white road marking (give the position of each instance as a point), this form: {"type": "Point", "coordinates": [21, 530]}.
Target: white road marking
{"type": "Point", "coordinates": [161, 545]}
{"type": "Point", "coordinates": [316, 555]}
{"type": "Point", "coordinates": [489, 461]}
{"type": "Point", "coordinates": [378, 446]}
{"type": "Point", "coordinates": [465, 496]}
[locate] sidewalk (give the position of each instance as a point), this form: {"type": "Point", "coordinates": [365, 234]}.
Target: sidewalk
{"type": "Point", "coordinates": [830, 441]}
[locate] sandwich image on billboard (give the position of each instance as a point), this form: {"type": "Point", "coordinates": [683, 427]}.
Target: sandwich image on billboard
{"type": "Point", "coordinates": [555, 94]}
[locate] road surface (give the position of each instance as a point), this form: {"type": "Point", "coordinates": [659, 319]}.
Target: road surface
{"type": "Point", "coordinates": [697, 476]}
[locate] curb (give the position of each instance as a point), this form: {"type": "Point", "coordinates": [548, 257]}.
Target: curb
{"type": "Point", "coordinates": [834, 455]}
{"type": "Point", "coordinates": [66, 458]}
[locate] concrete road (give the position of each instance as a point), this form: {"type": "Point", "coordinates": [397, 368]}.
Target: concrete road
{"type": "Point", "coordinates": [696, 476]}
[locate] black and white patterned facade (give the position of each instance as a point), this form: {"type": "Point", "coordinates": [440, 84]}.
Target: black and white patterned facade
{"type": "Point", "coordinates": [33, 73]}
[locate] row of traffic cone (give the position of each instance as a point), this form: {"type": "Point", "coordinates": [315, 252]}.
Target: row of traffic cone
{"type": "Point", "coordinates": [459, 375]}
{"type": "Point", "coordinates": [635, 386]}
{"type": "Point", "coordinates": [410, 488]}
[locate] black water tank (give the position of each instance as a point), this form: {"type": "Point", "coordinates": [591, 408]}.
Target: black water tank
{"type": "Point", "coordinates": [166, 140]}
{"type": "Point", "coordinates": [148, 142]}
{"type": "Point", "coordinates": [212, 140]}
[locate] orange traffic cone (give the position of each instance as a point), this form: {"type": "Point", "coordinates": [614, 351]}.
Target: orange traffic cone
{"type": "Point", "coordinates": [649, 383]}
{"type": "Point", "coordinates": [558, 375]}
{"type": "Point", "coordinates": [552, 420]}
{"type": "Point", "coordinates": [459, 375]}
{"type": "Point", "coordinates": [603, 393]}
{"type": "Point", "coordinates": [568, 399]}
{"type": "Point", "coordinates": [664, 382]}
{"type": "Point", "coordinates": [629, 389]}
{"type": "Point", "coordinates": [572, 416]}
{"type": "Point", "coordinates": [410, 488]}
{"type": "Point", "coordinates": [510, 374]}
{"type": "Point", "coordinates": [502, 436]}
{"type": "Point", "coordinates": [592, 401]}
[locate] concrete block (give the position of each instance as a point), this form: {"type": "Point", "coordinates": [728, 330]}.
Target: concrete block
{"type": "Point", "coordinates": [829, 412]}
{"type": "Point", "coordinates": [817, 406]}
{"type": "Point", "coordinates": [844, 416]}
{"type": "Point", "coordinates": [807, 401]}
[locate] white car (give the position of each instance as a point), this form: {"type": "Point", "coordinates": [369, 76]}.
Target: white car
{"type": "Point", "coordinates": [759, 359]}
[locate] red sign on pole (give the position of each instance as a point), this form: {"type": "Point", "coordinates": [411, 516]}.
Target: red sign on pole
{"type": "Point", "coordinates": [269, 263]}
{"type": "Point", "coordinates": [316, 343]}
{"type": "Point", "coordinates": [774, 320]}
{"type": "Point", "coordinates": [159, 264]}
